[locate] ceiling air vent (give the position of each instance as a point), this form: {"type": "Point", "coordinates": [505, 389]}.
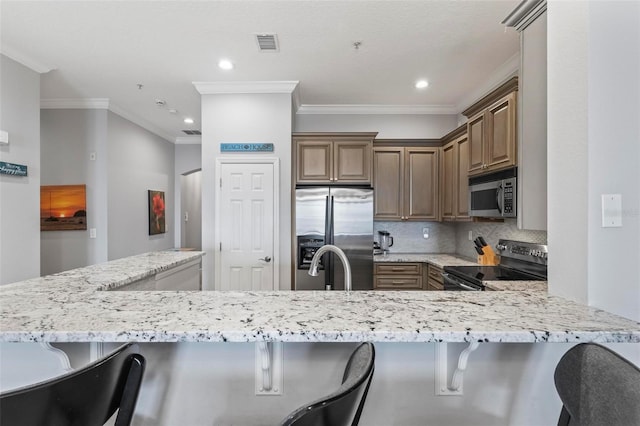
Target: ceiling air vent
{"type": "Point", "coordinates": [267, 42]}
{"type": "Point", "coordinates": [192, 132]}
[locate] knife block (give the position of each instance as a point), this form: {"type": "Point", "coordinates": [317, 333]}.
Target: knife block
{"type": "Point", "coordinates": [489, 257]}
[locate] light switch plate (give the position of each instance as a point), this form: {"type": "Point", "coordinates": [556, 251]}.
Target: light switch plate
{"type": "Point", "coordinates": [4, 137]}
{"type": "Point", "coordinates": [611, 210]}
{"type": "Point", "coordinates": [92, 232]}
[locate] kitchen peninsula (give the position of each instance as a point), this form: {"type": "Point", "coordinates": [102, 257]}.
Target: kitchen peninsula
{"type": "Point", "coordinates": [73, 307]}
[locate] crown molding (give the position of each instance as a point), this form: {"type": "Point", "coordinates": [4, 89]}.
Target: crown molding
{"type": "Point", "coordinates": [230, 87]}
{"type": "Point", "coordinates": [141, 122]}
{"type": "Point", "coordinates": [377, 109]}
{"type": "Point", "coordinates": [188, 140]}
{"type": "Point", "coordinates": [104, 103]}
{"type": "Point", "coordinates": [295, 99]}
{"type": "Point", "coordinates": [525, 13]}
{"type": "Point", "coordinates": [71, 103]}
{"type": "Point", "coordinates": [26, 60]}
{"type": "Point", "coordinates": [504, 72]}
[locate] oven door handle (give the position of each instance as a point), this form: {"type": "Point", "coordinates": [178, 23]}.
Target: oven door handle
{"type": "Point", "coordinates": [454, 281]}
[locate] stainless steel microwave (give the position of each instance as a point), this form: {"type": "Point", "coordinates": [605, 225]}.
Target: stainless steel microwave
{"type": "Point", "coordinates": [494, 194]}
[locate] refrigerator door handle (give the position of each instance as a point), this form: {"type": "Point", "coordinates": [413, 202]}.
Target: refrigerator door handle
{"type": "Point", "coordinates": [328, 229]}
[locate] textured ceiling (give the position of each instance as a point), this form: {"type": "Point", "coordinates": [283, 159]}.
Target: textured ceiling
{"type": "Point", "coordinates": [103, 49]}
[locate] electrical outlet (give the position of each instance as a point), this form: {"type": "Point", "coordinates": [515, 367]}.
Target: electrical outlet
{"type": "Point", "coordinates": [92, 232]}
{"type": "Point", "coordinates": [425, 233]}
{"type": "Point", "coordinates": [470, 235]}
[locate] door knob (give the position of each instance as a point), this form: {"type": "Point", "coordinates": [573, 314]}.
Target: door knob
{"type": "Point", "coordinates": [265, 259]}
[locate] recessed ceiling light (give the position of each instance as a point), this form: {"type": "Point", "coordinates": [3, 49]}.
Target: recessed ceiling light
{"type": "Point", "coordinates": [225, 64]}
{"type": "Point", "coordinates": [188, 120]}
{"type": "Point", "coordinates": [421, 84]}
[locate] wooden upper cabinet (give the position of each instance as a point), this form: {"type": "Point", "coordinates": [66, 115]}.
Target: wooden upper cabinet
{"type": "Point", "coordinates": [388, 182]}
{"type": "Point", "coordinates": [491, 130]}
{"type": "Point", "coordinates": [314, 161]}
{"type": "Point", "coordinates": [352, 161]}
{"type": "Point", "coordinates": [449, 175]}
{"type": "Point", "coordinates": [421, 184]}
{"type": "Point", "coordinates": [406, 183]}
{"type": "Point", "coordinates": [343, 158]}
{"type": "Point", "coordinates": [501, 133]}
{"type": "Point", "coordinates": [462, 178]}
{"type": "Point", "coordinates": [476, 134]}
{"type": "Point", "coordinates": [454, 185]}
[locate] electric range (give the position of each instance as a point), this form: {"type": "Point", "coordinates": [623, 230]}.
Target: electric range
{"type": "Point", "coordinates": [519, 261]}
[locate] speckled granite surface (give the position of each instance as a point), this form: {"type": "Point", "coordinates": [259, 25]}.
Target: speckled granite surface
{"type": "Point", "coordinates": [440, 260]}
{"type": "Point", "coordinates": [68, 308]}
{"type": "Point", "coordinates": [516, 285]}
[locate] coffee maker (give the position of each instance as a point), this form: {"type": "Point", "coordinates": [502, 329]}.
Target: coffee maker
{"type": "Point", "coordinates": [385, 240]}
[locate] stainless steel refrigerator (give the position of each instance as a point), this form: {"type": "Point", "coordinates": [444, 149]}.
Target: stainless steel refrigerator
{"type": "Point", "coordinates": [342, 216]}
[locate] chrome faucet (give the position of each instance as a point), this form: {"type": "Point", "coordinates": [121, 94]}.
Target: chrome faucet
{"type": "Point", "coordinates": [313, 269]}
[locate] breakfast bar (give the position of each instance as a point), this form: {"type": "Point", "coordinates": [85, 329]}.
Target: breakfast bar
{"type": "Point", "coordinates": [73, 306]}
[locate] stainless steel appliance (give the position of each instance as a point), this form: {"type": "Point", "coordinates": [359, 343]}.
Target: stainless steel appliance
{"type": "Point", "coordinates": [385, 240]}
{"type": "Point", "coordinates": [519, 261]}
{"type": "Point", "coordinates": [342, 216]}
{"type": "Point", "coordinates": [494, 194]}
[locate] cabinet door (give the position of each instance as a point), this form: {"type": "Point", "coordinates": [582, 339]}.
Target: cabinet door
{"type": "Point", "coordinates": [476, 135]}
{"type": "Point", "coordinates": [388, 177]}
{"type": "Point", "coordinates": [449, 175]}
{"type": "Point", "coordinates": [462, 178]}
{"type": "Point", "coordinates": [352, 161]}
{"type": "Point", "coordinates": [501, 133]}
{"type": "Point", "coordinates": [313, 161]}
{"type": "Point", "coordinates": [421, 200]}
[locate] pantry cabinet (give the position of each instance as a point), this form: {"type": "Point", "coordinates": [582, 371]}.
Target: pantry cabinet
{"type": "Point", "coordinates": [454, 181]}
{"type": "Point", "coordinates": [333, 158]}
{"type": "Point", "coordinates": [405, 183]}
{"type": "Point", "coordinates": [492, 129]}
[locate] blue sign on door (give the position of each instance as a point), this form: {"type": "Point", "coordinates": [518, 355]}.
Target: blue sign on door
{"type": "Point", "coordinates": [246, 147]}
{"type": "Point", "coordinates": [12, 169]}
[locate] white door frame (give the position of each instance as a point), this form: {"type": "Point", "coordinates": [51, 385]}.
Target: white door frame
{"type": "Point", "coordinates": [275, 162]}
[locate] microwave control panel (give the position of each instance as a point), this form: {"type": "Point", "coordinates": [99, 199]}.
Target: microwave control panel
{"type": "Point", "coordinates": [508, 198]}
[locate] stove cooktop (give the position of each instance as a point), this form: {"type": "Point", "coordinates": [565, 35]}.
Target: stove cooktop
{"type": "Point", "coordinates": [478, 274]}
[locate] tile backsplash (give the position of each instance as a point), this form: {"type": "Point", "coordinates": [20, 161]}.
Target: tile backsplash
{"type": "Point", "coordinates": [448, 237]}
{"type": "Point", "coordinates": [492, 232]}
{"type": "Point", "coordinates": [407, 236]}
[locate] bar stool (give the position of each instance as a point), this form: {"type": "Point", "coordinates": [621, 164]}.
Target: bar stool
{"type": "Point", "coordinates": [597, 387]}
{"type": "Point", "coordinates": [344, 406]}
{"type": "Point", "coordinates": [88, 396]}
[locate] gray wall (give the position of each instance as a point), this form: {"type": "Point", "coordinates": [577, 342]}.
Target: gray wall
{"type": "Point", "coordinates": [68, 137]}
{"type": "Point", "coordinates": [594, 149]}
{"type": "Point", "coordinates": [614, 155]}
{"type": "Point", "coordinates": [20, 196]}
{"type": "Point", "coordinates": [246, 118]}
{"type": "Point", "coordinates": [137, 162]}
{"type": "Point", "coordinates": [191, 205]}
{"type": "Point", "coordinates": [388, 126]}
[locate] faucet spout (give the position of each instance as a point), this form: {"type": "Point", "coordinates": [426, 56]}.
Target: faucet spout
{"type": "Point", "coordinates": [313, 269]}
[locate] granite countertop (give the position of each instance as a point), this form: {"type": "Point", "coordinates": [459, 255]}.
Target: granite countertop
{"type": "Point", "coordinates": [68, 307]}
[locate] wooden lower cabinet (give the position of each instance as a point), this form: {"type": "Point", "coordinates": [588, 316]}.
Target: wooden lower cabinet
{"type": "Point", "coordinates": [398, 276]}
{"type": "Point", "coordinates": [434, 278]}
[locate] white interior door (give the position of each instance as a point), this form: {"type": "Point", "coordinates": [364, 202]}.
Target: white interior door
{"type": "Point", "coordinates": [247, 252]}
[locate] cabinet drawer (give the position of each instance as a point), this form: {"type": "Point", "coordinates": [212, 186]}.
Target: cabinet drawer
{"type": "Point", "coordinates": [398, 283]}
{"type": "Point", "coordinates": [435, 285]}
{"type": "Point", "coordinates": [398, 268]}
{"type": "Point", "coordinates": [435, 274]}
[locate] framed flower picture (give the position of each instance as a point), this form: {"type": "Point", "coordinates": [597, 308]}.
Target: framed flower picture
{"type": "Point", "coordinates": [156, 212]}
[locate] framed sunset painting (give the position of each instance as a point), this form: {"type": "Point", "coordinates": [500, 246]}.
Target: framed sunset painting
{"type": "Point", "coordinates": [156, 212]}
{"type": "Point", "coordinates": [63, 207]}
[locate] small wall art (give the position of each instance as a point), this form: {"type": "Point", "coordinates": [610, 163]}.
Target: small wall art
{"type": "Point", "coordinates": [156, 212]}
{"type": "Point", "coordinates": [63, 207]}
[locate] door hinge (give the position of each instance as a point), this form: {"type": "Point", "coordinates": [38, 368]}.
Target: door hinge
{"type": "Point", "coordinates": [220, 246]}
{"type": "Point", "coordinates": [220, 182]}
